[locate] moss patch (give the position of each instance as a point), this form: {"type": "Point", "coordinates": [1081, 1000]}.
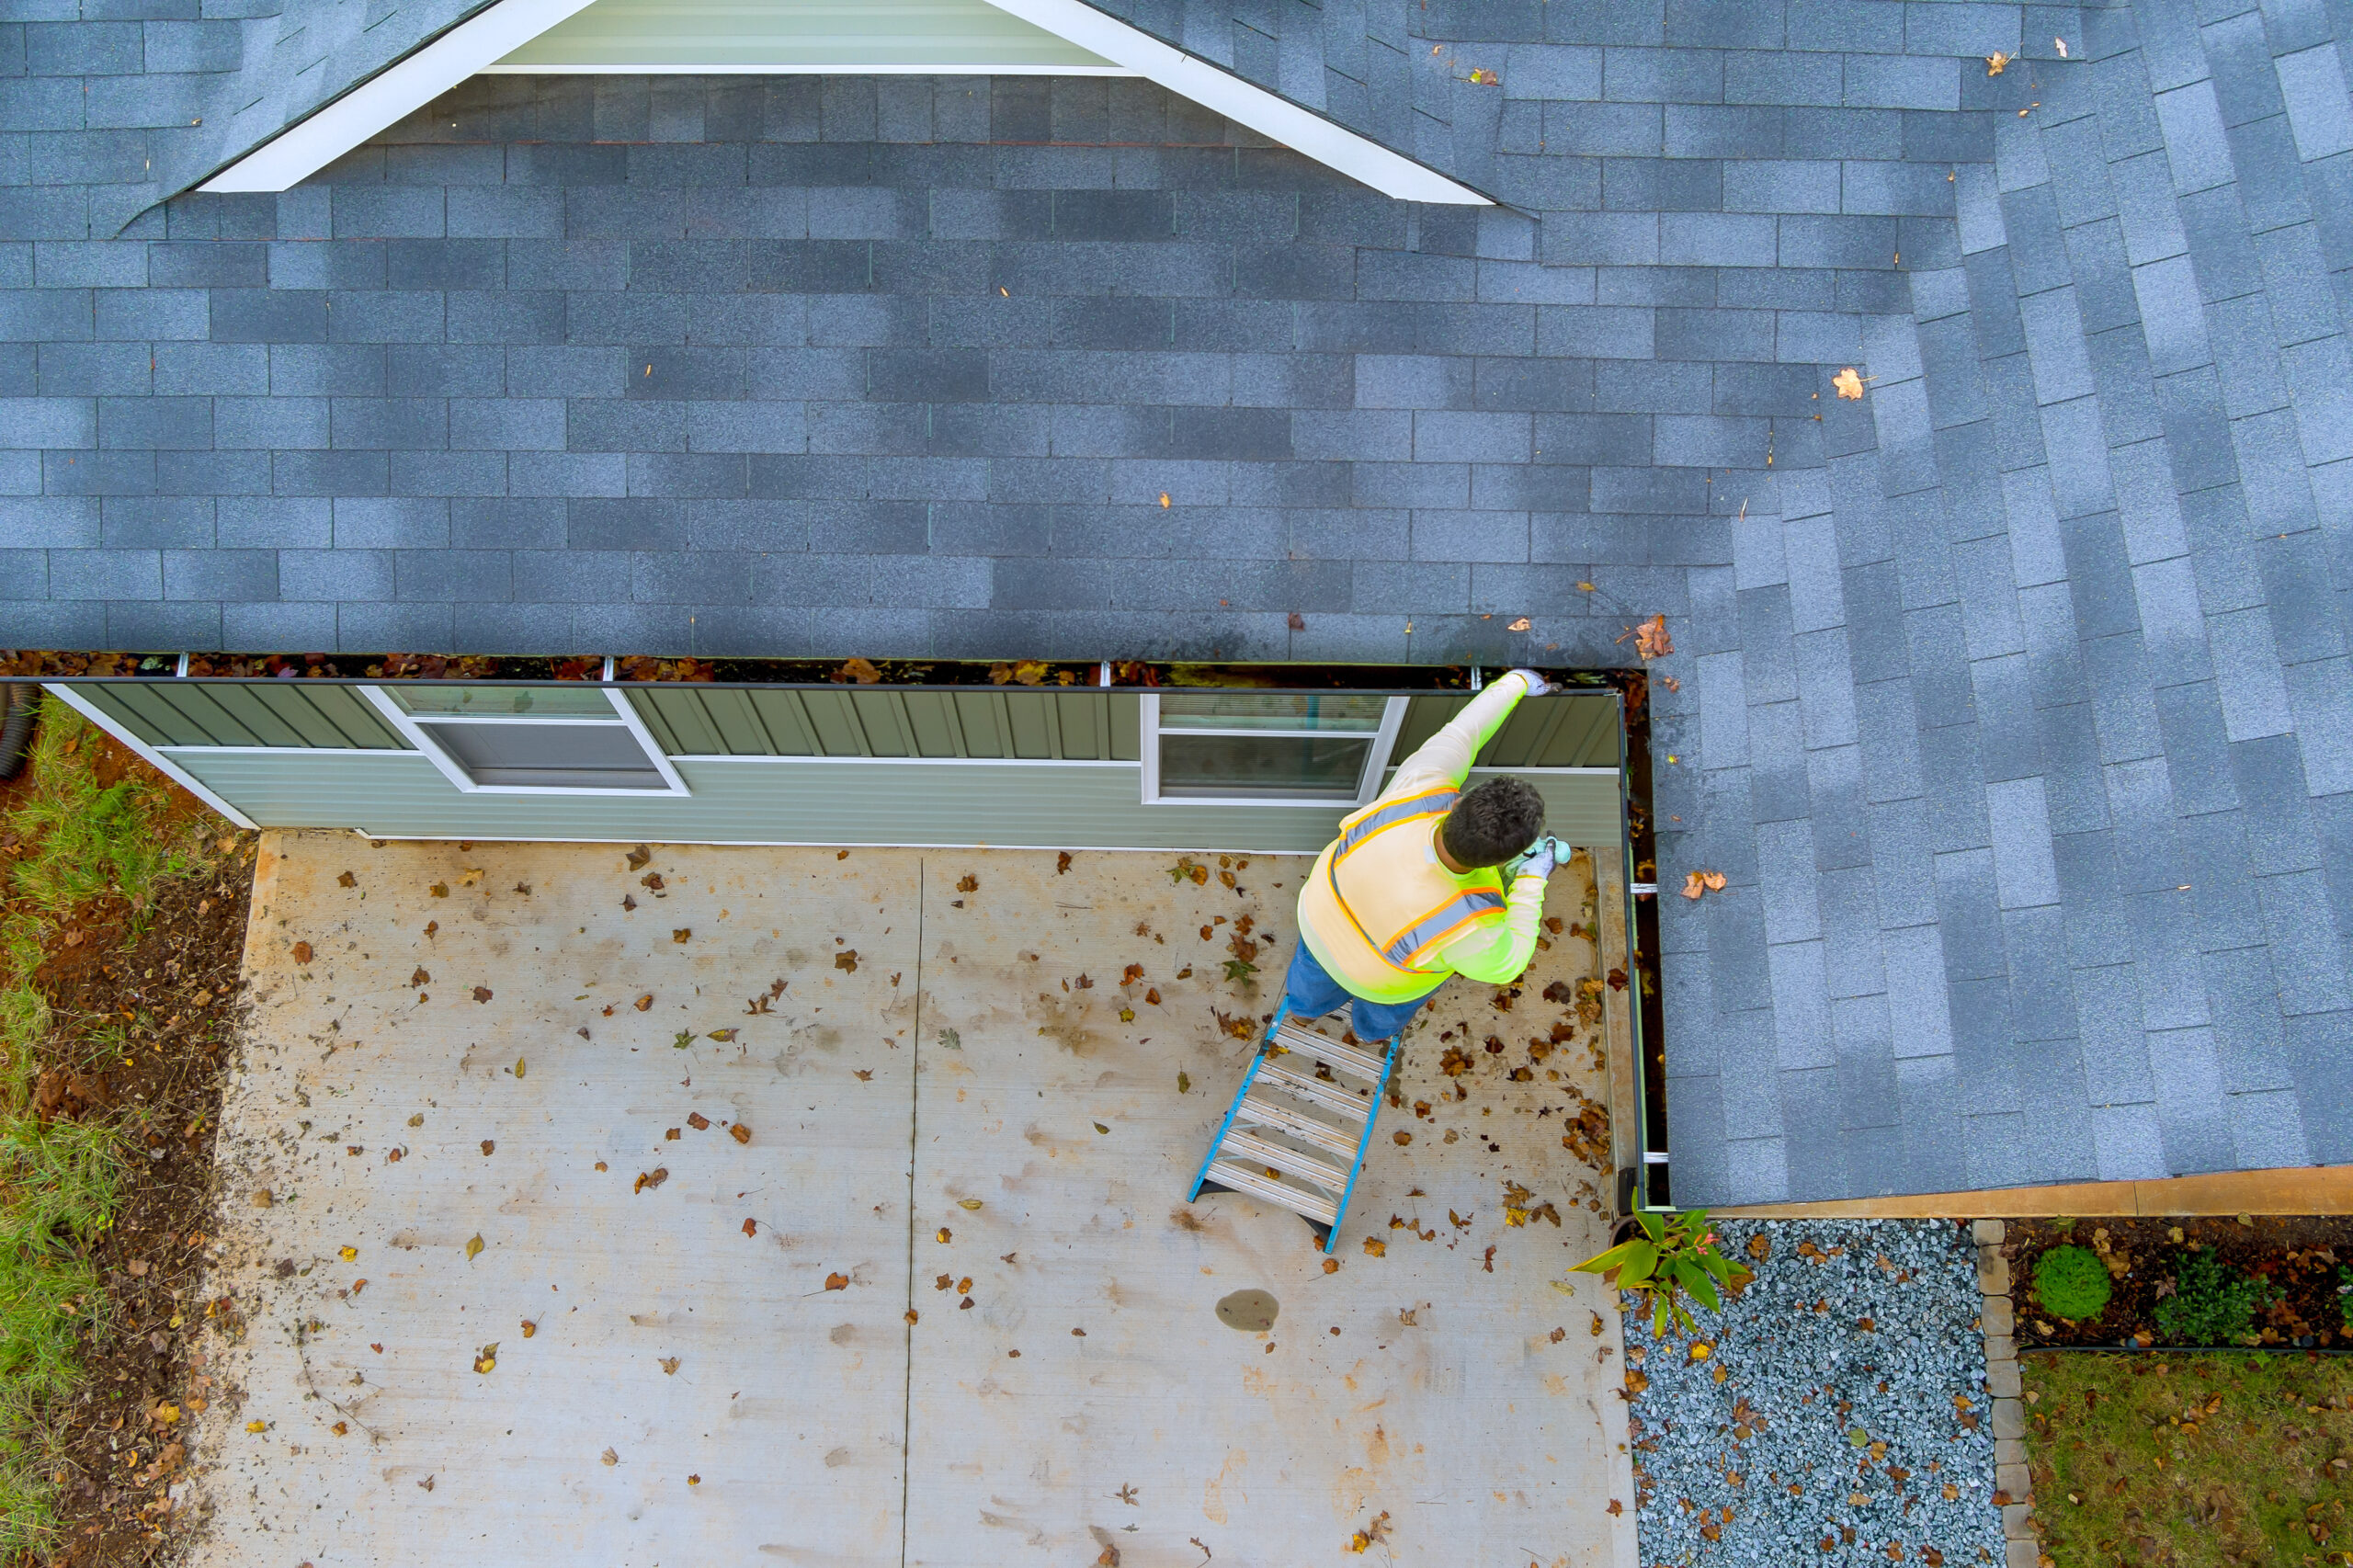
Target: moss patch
{"type": "Point", "coordinates": [2215, 1461]}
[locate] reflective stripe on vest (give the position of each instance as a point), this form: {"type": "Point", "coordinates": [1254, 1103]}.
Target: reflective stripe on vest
{"type": "Point", "coordinates": [1408, 947]}
{"type": "Point", "coordinates": [1428, 803]}
{"type": "Point", "coordinates": [1439, 926]}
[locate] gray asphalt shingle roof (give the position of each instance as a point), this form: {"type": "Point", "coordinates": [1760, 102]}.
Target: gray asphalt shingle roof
{"type": "Point", "coordinates": [2014, 700]}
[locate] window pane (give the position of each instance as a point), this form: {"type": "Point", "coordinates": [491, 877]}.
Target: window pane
{"type": "Point", "coordinates": [1303, 767]}
{"type": "Point", "coordinates": [573, 757]}
{"type": "Point", "coordinates": [1270, 711]}
{"type": "Point", "coordinates": [547, 702]}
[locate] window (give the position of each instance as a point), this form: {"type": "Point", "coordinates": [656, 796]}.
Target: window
{"type": "Point", "coordinates": [1267, 748]}
{"type": "Point", "coordinates": [539, 740]}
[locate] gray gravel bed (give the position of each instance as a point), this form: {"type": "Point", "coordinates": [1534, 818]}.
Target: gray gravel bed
{"type": "Point", "coordinates": [1852, 1406]}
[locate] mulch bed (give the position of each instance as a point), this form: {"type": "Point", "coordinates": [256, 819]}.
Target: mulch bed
{"type": "Point", "coordinates": [172, 985]}
{"type": "Point", "coordinates": [2299, 1254]}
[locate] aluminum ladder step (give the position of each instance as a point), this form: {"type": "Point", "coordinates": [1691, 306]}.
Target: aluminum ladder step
{"type": "Point", "coordinates": [1331, 1052]}
{"type": "Point", "coordinates": [1330, 1095]}
{"type": "Point", "coordinates": [1306, 1129]}
{"type": "Point", "coordinates": [1262, 1103]}
{"type": "Point", "coordinates": [1321, 1211]}
{"type": "Point", "coordinates": [1290, 1162]}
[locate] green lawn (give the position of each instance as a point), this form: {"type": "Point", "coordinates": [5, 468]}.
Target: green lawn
{"type": "Point", "coordinates": [2196, 1460]}
{"type": "Point", "coordinates": [66, 839]}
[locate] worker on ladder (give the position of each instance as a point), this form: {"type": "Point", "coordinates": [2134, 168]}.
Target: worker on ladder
{"type": "Point", "coordinates": [1413, 890]}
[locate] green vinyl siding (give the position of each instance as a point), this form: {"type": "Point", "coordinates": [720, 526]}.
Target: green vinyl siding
{"type": "Point", "coordinates": [256, 713]}
{"type": "Point", "coordinates": [797, 35]}
{"type": "Point", "coordinates": [1074, 726]}
{"type": "Point", "coordinates": [1569, 729]}
{"type": "Point", "coordinates": [812, 801]}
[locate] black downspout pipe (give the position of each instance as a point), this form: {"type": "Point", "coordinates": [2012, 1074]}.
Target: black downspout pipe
{"type": "Point", "coordinates": [16, 729]}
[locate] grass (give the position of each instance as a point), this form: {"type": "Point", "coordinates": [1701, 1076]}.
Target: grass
{"type": "Point", "coordinates": [59, 1183]}
{"type": "Point", "coordinates": [2192, 1461]}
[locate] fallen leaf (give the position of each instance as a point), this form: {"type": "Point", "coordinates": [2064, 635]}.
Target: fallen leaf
{"type": "Point", "coordinates": [1101, 1128]}
{"type": "Point", "coordinates": [2061, 45]}
{"type": "Point", "coordinates": [836, 1281]}
{"type": "Point", "coordinates": [349, 1255]}
{"type": "Point", "coordinates": [519, 1066]}
{"type": "Point", "coordinates": [347, 880]}
{"type": "Point", "coordinates": [1651, 640]}
{"type": "Point", "coordinates": [847, 961]}
{"type": "Point", "coordinates": [968, 1203]}
{"type": "Point", "coordinates": [1616, 1507]}
{"type": "Point", "coordinates": [722, 1036]}
{"type": "Point", "coordinates": [1062, 863]}
{"type": "Point", "coordinates": [610, 1458]}
{"type": "Point", "coordinates": [968, 883]}
{"type": "Point", "coordinates": [1184, 1082]}
{"type": "Point", "coordinates": [862, 671]}
{"type": "Point", "coordinates": [1995, 63]}
{"type": "Point", "coordinates": [682, 1039]}
{"type": "Point", "coordinates": [474, 1246]}
{"type": "Point", "coordinates": [1164, 500]}
{"type": "Point", "coordinates": [1848, 384]}
{"type": "Point", "coordinates": [865, 1074]}
{"type": "Point", "coordinates": [945, 1234]}
{"type": "Point", "coordinates": [439, 889]}
{"type": "Point", "coordinates": [653, 1178]}
{"type": "Point", "coordinates": [669, 1366]}
{"type": "Point", "coordinates": [1374, 1248]}
{"type": "Point", "coordinates": [482, 992]}
{"type": "Point", "coordinates": [697, 1120]}
{"type": "Point", "coordinates": [486, 1360]}
{"type": "Point", "coordinates": [680, 934]}
{"type": "Point", "coordinates": [1521, 624]}
{"type": "Point", "coordinates": [638, 856]}
{"type": "Point", "coordinates": [257, 1426]}
{"type": "Point", "coordinates": [418, 977]}
{"type": "Point", "coordinates": [741, 1133]}
{"type": "Point", "coordinates": [1295, 622]}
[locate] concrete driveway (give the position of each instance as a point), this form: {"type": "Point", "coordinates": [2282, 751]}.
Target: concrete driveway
{"type": "Point", "coordinates": [826, 1209]}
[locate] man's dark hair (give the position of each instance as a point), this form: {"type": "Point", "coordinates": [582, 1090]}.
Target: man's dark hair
{"type": "Point", "coordinates": [1499, 820]}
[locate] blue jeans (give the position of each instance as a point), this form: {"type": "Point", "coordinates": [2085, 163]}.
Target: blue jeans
{"type": "Point", "coordinates": [1310, 991]}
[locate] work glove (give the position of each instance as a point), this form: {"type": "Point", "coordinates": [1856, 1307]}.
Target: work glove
{"type": "Point", "coordinates": [1539, 863]}
{"type": "Point", "coordinates": [1537, 685]}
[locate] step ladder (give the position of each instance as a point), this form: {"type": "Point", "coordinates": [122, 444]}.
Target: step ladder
{"type": "Point", "coordinates": [1297, 1133]}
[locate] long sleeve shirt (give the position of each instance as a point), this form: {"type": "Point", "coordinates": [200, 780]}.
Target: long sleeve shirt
{"type": "Point", "coordinates": [1495, 952]}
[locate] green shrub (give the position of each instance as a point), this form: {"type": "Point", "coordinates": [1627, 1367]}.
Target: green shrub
{"type": "Point", "coordinates": [2211, 1304]}
{"type": "Point", "coordinates": [2072, 1282]}
{"type": "Point", "coordinates": [2345, 1294]}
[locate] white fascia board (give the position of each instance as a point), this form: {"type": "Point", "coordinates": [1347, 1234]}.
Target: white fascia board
{"type": "Point", "coordinates": [309, 145]}
{"type": "Point", "coordinates": [724, 68]}
{"type": "Point", "coordinates": [478, 43]}
{"type": "Point", "coordinates": [1278, 118]}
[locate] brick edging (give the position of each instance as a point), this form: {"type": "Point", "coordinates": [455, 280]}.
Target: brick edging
{"type": "Point", "coordinates": [2022, 1547]}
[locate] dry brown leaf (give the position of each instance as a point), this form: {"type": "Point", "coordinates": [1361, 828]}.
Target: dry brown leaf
{"type": "Point", "coordinates": [644, 1002]}
{"type": "Point", "coordinates": [347, 880]}
{"type": "Point", "coordinates": [1996, 63]}
{"type": "Point", "coordinates": [638, 856]}
{"type": "Point", "coordinates": [862, 671]}
{"type": "Point", "coordinates": [301, 952]}
{"type": "Point", "coordinates": [482, 992]}
{"type": "Point", "coordinates": [847, 961]}
{"type": "Point", "coordinates": [751, 1227]}
{"type": "Point", "coordinates": [836, 1281]}
{"type": "Point", "coordinates": [1522, 624]}
{"type": "Point", "coordinates": [968, 883]}
{"type": "Point", "coordinates": [741, 1133]}
{"type": "Point", "coordinates": [1651, 640]}
{"type": "Point", "coordinates": [669, 1366]}
{"type": "Point", "coordinates": [680, 933]}
{"type": "Point", "coordinates": [1848, 384]}
{"type": "Point", "coordinates": [697, 1120]}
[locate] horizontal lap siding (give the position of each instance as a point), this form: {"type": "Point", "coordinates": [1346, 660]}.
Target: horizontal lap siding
{"type": "Point", "coordinates": [1566, 729]}
{"type": "Point", "coordinates": [261, 713]}
{"type": "Point", "coordinates": [1072, 726]}
{"type": "Point", "coordinates": [812, 801]}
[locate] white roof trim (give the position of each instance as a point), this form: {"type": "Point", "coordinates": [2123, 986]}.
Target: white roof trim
{"type": "Point", "coordinates": [1278, 118]}
{"type": "Point", "coordinates": [473, 46]}
{"type": "Point", "coordinates": [302, 149]}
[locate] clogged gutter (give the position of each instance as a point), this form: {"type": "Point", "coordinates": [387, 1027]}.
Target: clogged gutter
{"type": "Point", "coordinates": [1837, 1413]}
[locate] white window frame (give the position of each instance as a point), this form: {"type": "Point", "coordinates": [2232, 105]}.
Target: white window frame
{"type": "Point", "coordinates": [1376, 765]}
{"type": "Point", "coordinates": [416, 734]}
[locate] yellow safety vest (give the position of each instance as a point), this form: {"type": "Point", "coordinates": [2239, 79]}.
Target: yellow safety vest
{"type": "Point", "coordinates": [1378, 904]}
